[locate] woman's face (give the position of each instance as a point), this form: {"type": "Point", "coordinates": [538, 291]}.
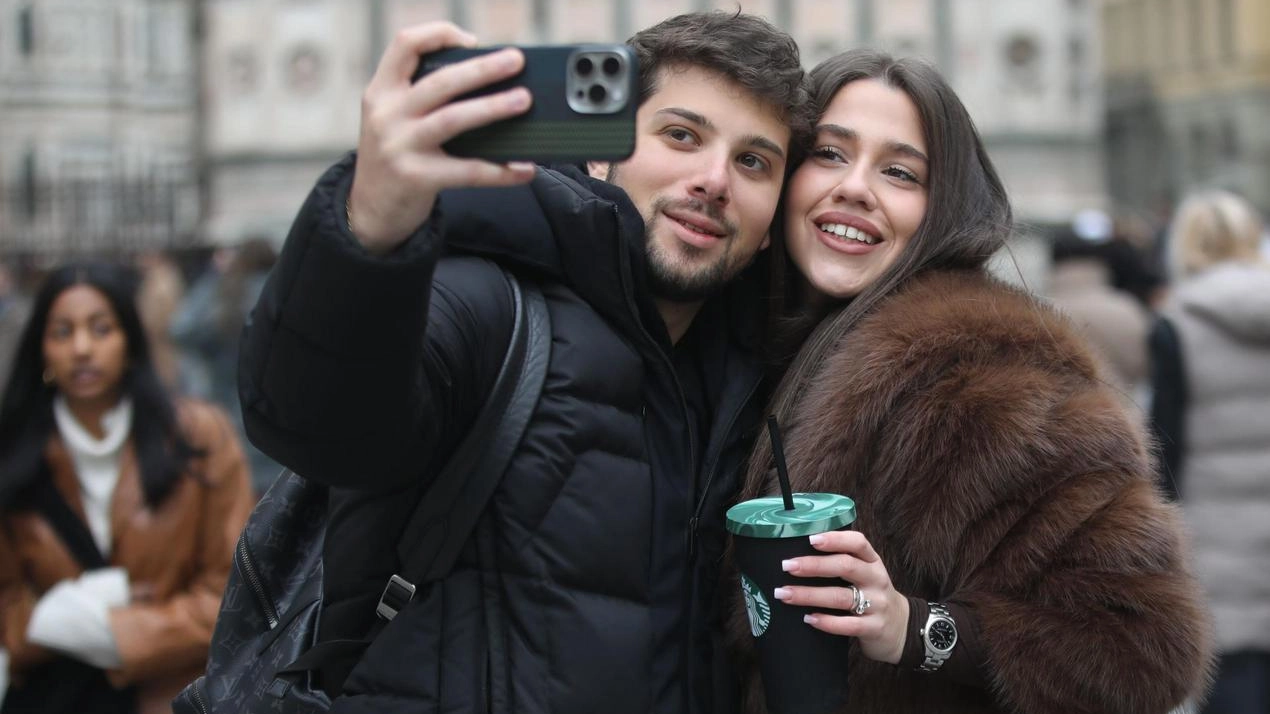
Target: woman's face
{"type": "Point", "coordinates": [85, 348]}
{"type": "Point", "coordinates": [855, 203]}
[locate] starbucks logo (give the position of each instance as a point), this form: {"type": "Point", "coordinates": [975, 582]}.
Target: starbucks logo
{"type": "Point", "coordinates": [756, 607]}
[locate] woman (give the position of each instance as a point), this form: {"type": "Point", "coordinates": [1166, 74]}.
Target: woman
{"type": "Point", "coordinates": [1212, 392]}
{"type": "Point", "coordinates": [1003, 493]}
{"type": "Point", "coordinates": [119, 510]}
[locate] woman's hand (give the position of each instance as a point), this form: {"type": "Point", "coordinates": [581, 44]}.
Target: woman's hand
{"type": "Point", "coordinates": [883, 627]}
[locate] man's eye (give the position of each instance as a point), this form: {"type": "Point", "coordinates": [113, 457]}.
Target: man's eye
{"type": "Point", "coordinates": [753, 161]}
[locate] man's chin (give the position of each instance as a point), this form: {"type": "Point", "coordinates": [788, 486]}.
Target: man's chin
{"type": "Point", "coordinates": [686, 283]}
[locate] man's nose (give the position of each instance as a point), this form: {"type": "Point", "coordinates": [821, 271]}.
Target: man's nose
{"type": "Point", "coordinates": [714, 182]}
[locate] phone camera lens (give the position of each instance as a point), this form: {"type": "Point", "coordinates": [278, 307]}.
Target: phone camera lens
{"type": "Point", "coordinates": [585, 65]}
{"type": "Point", "coordinates": [612, 66]}
{"type": "Point", "coordinates": [597, 93]}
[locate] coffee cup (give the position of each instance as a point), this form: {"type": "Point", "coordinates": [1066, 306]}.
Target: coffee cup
{"type": "Point", "coordinates": [804, 670]}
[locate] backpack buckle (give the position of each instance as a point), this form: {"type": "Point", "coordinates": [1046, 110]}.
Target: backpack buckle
{"type": "Point", "coordinates": [397, 594]}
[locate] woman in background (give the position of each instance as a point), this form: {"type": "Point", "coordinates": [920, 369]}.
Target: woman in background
{"type": "Point", "coordinates": [1211, 400]}
{"type": "Point", "coordinates": [119, 509]}
{"type": "Point", "coordinates": [1011, 552]}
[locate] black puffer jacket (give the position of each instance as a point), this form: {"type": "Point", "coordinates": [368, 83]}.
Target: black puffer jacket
{"type": "Point", "coordinates": [594, 588]}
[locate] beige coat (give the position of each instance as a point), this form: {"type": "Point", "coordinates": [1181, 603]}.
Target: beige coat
{"type": "Point", "coordinates": [177, 557]}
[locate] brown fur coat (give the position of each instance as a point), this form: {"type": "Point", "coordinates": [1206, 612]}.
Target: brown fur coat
{"type": "Point", "coordinates": [993, 467]}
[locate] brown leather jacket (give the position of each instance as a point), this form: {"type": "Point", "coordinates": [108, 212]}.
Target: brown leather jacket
{"type": "Point", "coordinates": [177, 557]}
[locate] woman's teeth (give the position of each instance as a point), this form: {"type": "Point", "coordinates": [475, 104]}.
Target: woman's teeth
{"type": "Point", "coordinates": [849, 232]}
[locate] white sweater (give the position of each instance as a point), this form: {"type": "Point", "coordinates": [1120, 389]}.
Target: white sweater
{"type": "Point", "coordinates": [74, 616]}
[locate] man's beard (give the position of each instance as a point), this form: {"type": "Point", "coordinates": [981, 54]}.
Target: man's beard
{"type": "Point", "coordinates": [672, 280]}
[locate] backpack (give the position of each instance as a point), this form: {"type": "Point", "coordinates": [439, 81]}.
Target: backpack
{"type": "Point", "coordinates": [264, 654]}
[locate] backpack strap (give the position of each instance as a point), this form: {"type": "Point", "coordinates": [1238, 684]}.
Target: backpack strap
{"type": "Point", "coordinates": [448, 511]}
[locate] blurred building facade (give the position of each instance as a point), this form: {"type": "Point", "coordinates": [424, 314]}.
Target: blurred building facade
{"type": "Point", "coordinates": [99, 125]}
{"type": "Point", "coordinates": [283, 80]}
{"type": "Point", "coordinates": [1188, 96]}
{"type": "Point", "coordinates": [105, 139]}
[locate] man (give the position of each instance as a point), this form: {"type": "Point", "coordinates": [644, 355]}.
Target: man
{"type": "Point", "coordinates": [600, 594]}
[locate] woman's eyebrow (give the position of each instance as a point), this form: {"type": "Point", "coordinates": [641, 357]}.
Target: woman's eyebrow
{"type": "Point", "coordinates": [895, 147]}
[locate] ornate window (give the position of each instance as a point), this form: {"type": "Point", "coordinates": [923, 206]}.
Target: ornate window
{"type": "Point", "coordinates": [304, 69]}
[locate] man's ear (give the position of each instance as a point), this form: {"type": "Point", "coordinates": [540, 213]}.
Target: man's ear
{"type": "Point", "coordinates": [598, 169]}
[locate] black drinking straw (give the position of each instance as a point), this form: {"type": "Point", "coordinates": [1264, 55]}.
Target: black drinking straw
{"type": "Point", "coordinates": [778, 455]}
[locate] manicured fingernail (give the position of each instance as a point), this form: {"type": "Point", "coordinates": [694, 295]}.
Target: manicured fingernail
{"type": "Point", "coordinates": [782, 593]}
{"type": "Point", "coordinates": [809, 619]}
{"type": "Point", "coordinates": [789, 566]}
{"type": "Point", "coordinates": [521, 165]}
{"type": "Point", "coordinates": [816, 539]}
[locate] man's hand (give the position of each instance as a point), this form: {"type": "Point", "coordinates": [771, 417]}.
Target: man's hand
{"type": "Point", "coordinates": [400, 164]}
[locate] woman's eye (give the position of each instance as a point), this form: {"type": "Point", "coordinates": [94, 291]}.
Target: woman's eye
{"type": "Point", "coordinates": [902, 174]}
{"type": "Point", "coordinates": [828, 152]}
{"type": "Point", "coordinates": [102, 329]}
{"type": "Point", "coordinates": [679, 135]}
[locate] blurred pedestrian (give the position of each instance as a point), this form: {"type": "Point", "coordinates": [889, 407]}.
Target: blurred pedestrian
{"type": "Point", "coordinates": [1212, 398]}
{"type": "Point", "coordinates": [1082, 285]}
{"type": "Point", "coordinates": [209, 323]}
{"type": "Point", "coordinates": [13, 311]}
{"type": "Point", "coordinates": [160, 294]}
{"type": "Point", "coordinates": [119, 509]}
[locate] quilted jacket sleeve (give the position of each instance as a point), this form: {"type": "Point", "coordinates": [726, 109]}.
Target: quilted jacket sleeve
{"type": "Point", "coordinates": [356, 369]}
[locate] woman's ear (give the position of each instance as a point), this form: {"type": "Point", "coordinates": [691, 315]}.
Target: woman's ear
{"type": "Point", "coordinates": [598, 169]}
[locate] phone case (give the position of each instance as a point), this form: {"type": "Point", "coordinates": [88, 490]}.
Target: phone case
{"type": "Point", "coordinates": [552, 131]}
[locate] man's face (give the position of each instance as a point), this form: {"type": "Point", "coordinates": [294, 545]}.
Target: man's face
{"type": "Point", "coordinates": [706, 176]}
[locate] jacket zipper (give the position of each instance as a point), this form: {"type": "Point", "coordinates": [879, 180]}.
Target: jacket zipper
{"type": "Point", "coordinates": [197, 692]}
{"type": "Point", "coordinates": [624, 271]}
{"type": "Point", "coordinates": [714, 464]}
{"type": "Point", "coordinates": [248, 568]}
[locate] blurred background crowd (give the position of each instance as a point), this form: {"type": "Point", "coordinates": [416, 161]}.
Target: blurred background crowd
{"type": "Point", "coordinates": [180, 136]}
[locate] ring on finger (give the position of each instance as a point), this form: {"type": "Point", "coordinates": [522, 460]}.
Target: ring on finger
{"type": "Point", "coordinates": [860, 601]}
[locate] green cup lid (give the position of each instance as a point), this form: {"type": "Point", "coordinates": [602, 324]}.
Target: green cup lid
{"type": "Point", "coordinates": [813, 513]}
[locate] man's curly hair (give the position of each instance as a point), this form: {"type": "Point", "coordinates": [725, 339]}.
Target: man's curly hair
{"type": "Point", "coordinates": [746, 49]}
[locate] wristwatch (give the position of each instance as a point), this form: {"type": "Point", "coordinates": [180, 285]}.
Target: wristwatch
{"type": "Point", "coordinates": [939, 636]}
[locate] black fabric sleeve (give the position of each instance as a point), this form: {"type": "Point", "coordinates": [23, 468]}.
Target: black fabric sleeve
{"type": "Point", "coordinates": [355, 368]}
{"type": "Point", "coordinates": [966, 665]}
{"type": "Point", "coordinates": [1168, 403]}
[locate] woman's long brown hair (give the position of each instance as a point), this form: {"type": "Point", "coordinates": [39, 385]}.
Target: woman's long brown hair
{"type": "Point", "coordinates": [968, 219]}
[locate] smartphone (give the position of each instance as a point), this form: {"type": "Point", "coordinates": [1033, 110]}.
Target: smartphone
{"type": "Point", "coordinates": [584, 102]}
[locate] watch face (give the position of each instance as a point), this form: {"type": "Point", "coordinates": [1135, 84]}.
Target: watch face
{"type": "Point", "coordinates": [942, 635]}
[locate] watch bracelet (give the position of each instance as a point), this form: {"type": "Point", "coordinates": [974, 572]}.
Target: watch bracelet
{"type": "Point", "coordinates": [932, 663]}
